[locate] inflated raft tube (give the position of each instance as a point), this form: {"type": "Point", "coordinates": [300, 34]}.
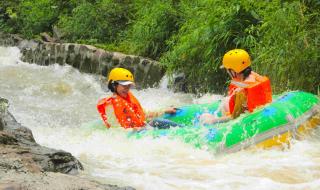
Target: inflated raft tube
{"type": "Point", "coordinates": [290, 115]}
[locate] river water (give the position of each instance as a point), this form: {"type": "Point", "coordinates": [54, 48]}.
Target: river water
{"type": "Point", "coordinates": [58, 103]}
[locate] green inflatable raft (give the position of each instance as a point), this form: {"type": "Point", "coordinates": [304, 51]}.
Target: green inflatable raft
{"type": "Point", "coordinates": [290, 115]}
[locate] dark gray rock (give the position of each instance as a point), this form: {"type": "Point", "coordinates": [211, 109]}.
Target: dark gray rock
{"type": "Point", "coordinates": [46, 159]}
{"type": "Point", "coordinates": [9, 39]}
{"type": "Point", "coordinates": [24, 164]}
{"type": "Point", "coordinates": [86, 58]}
{"type": "Point", "coordinates": [7, 139]}
{"type": "Point", "coordinates": [179, 83]}
{"type": "Point", "coordinates": [3, 109]}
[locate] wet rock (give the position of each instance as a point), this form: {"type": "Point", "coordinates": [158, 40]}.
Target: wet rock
{"type": "Point", "coordinates": [7, 139]}
{"type": "Point", "coordinates": [51, 181]}
{"type": "Point", "coordinates": [179, 83]}
{"type": "Point", "coordinates": [44, 158]}
{"type": "Point", "coordinates": [46, 37]}
{"type": "Point", "coordinates": [86, 58]}
{"type": "Point", "coordinates": [10, 39]}
{"type": "Point", "coordinates": [1, 124]}
{"type": "Point", "coordinates": [24, 164]}
{"type": "Point", "coordinates": [3, 110]}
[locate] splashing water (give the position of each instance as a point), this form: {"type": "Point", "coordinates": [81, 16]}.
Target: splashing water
{"type": "Point", "coordinates": [58, 103]}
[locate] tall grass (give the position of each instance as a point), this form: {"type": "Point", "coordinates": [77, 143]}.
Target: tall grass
{"type": "Point", "coordinates": [213, 28]}
{"type": "Point", "coordinates": [154, 23]}
{"type": "Point", "coordinates": [289, 48]}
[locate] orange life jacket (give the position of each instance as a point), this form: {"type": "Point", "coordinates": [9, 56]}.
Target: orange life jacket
{"type": "Point", "coordinates": [128, 112]}
{"type": "Point", "coordinates": [258, 91]}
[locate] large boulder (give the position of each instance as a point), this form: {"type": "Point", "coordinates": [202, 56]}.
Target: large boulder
{"type": "Point", "coordinates": [20, 150]}
{"type": "Point", "coordinates": [24, 164]}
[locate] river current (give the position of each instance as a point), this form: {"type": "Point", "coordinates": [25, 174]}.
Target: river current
{"type": "Point", "coordinates": [58, 103]}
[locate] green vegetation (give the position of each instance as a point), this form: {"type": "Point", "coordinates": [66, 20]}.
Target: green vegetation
{"type": "Point", "coordinates": [153, 25]}
{"type": "Point", "coordinates": [187, 36]}
{"type": "Point", "coordinates": [100, 22]}
{"type": "Point", "coordinates": [288, 50]}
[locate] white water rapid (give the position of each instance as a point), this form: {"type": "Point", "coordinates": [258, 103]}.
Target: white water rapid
{"type": "Point", "coordinates": [58, 103]}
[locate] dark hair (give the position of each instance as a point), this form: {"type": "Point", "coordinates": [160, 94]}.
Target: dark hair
{"type": "Point", "coordinates": [112, 85]}
{"type": "Point", "coordinates": [246, 72]}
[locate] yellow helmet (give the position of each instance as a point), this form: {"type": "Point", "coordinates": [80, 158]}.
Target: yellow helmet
{"type": "Point", "coordinates": [121, 75]}
{"type": "Point", "coordinates": [236, 59]}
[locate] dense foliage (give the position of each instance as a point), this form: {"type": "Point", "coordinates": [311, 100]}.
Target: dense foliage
{"type": "Point", "coordinates": [100, 22]}
{"type": "Point", "coordinates": [187, 36]}
{"type": "Point", "coordinates": [154, 23]}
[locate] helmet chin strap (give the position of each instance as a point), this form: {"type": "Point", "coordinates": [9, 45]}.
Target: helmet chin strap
{"type": "Point", "coordinates": [231, 73]}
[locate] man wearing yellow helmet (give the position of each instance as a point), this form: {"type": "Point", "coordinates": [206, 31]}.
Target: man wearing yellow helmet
{"type": "Point", "coordinates": [247, 89]}
{"type": "Point", "coordinates": [122, 108]}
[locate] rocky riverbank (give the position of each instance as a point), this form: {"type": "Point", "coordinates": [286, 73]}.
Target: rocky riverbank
{"type": "Point", "coordinates": [24, 164]}
{"type": "Point", "coordinates": [85, 58]}
{"type": "Point", "coordinates": [89, 59]}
